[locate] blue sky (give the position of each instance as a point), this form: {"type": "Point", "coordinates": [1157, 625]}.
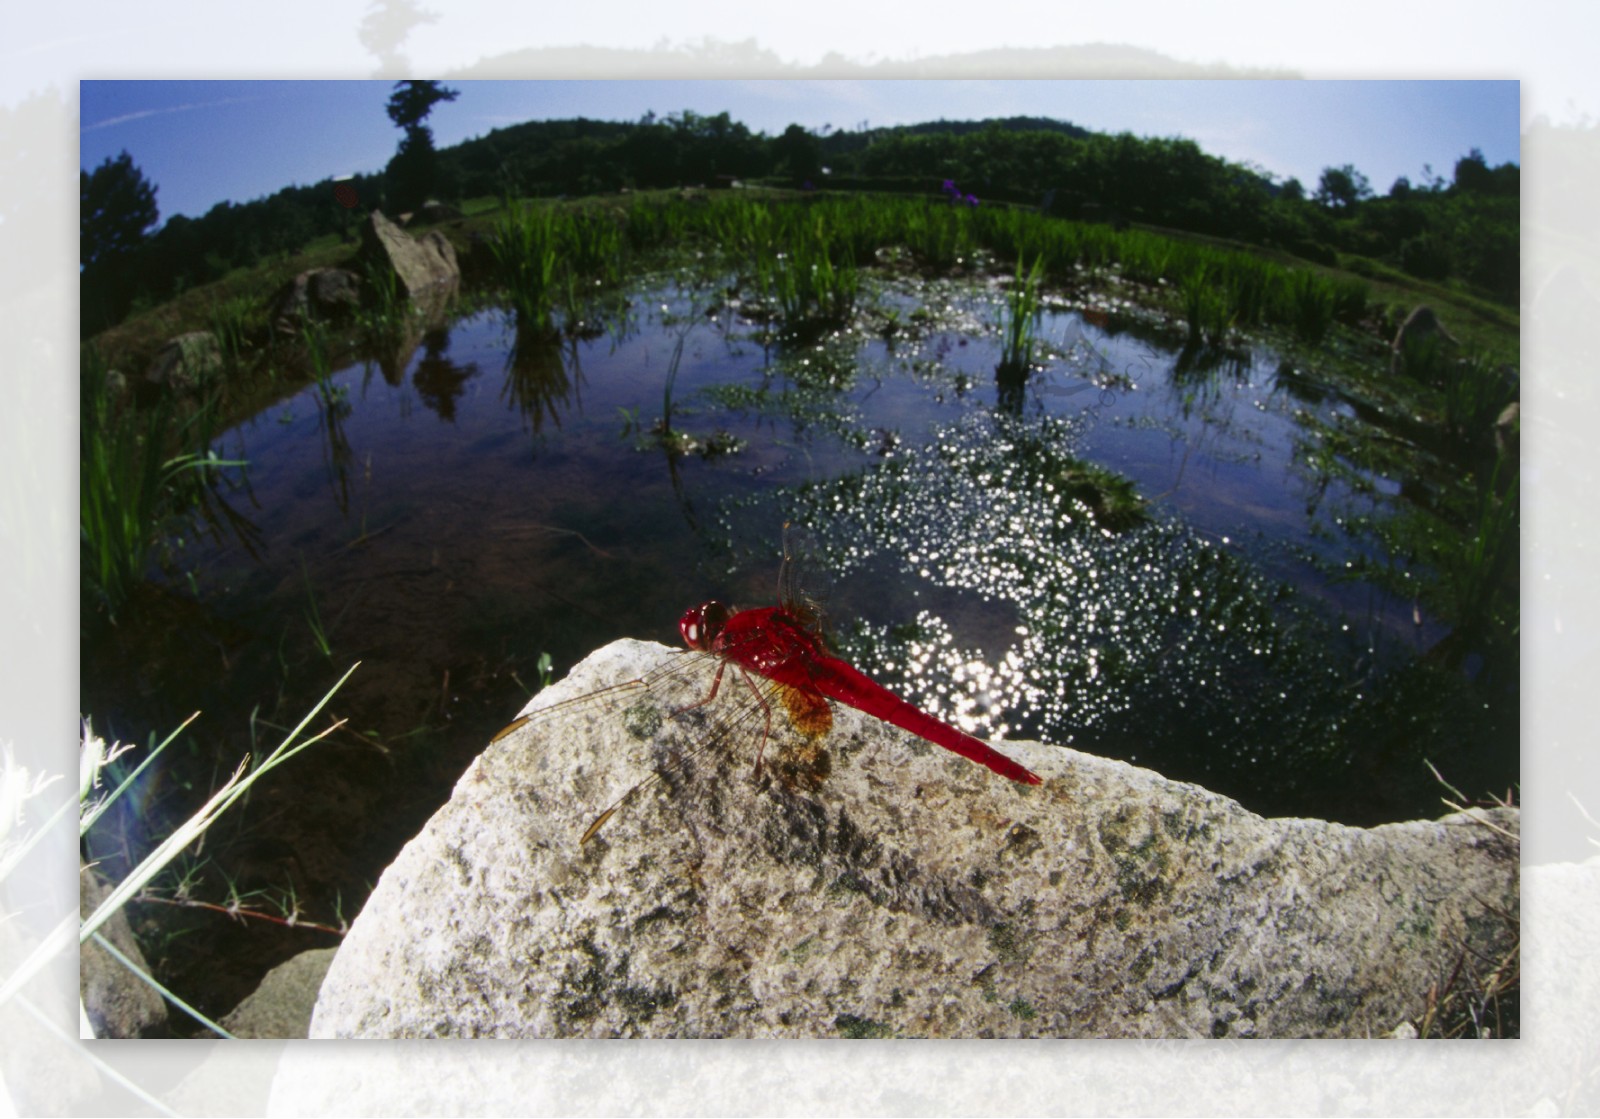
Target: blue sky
{"type": "Point", "coordinates": [202, 142]}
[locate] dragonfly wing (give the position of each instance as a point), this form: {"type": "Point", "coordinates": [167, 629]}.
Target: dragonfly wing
{"type": "Point", "coordinates": [797, 578]}
{"type": "Point", "coordinates": [808, 711]}
{"type": "Point", "coordinates": [652, 707]}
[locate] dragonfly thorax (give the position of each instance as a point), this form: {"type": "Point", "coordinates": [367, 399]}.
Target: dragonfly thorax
{"type": "Point", "coordinates": [700, 625]}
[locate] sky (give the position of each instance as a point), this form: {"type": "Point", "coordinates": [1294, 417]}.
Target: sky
{"type": "Point", "coordinates": [204, 142]}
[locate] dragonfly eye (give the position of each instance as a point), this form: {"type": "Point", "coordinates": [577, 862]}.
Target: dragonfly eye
{"type": "Point", "coordinates": [701, 624]}
{"type": "Point", "coordinates": [692, 627]}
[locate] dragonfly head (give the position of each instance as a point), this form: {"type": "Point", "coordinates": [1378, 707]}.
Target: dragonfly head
{"type": "Point", "coordinates": [701, 624]}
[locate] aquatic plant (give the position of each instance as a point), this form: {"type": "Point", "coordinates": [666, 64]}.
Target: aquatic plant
{"type": "Point", "coordinates": [524, 248]}
{"type": "Point", "coordinates": [1205, 309]}
{"type": "Point", "coordinates": [1475, 393]}
{"type": "Point", "coordinates": [592, 246]}
{"type": "Point", "coordinates": [132, 479]}
{"type": "Point", "coordinates": [319, 632]}
{"type": "Point", "coordinates": [333, 408]}
{"type": "Point", "coordinates": [1307, 303]}
{"type": "Point", "coordinates": [1476, 588]}
{"type": "Point", "coordinates": [941, 238]}
{"type": "Point", "coordinates": [1247, 286]}
{"type": "Point", "coordinates": [666, 435]}
{"type": "Point", "coordinates": [386, 312]}
{"type": "Point", "coordinates": [814, 286]}
{"type": "Point", "coordinates": [1020, 325]}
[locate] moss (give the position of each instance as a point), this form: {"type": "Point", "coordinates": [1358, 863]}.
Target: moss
{"type": "Point", "coordinates": [854, 1028]}
{"type": "Point", "coordinates": [1011, 944]}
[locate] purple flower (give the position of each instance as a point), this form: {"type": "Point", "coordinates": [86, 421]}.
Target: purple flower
{"type": "Point", "coordinates": [972, 200]}
{"type": "Point", "coordinates": [950, 187]}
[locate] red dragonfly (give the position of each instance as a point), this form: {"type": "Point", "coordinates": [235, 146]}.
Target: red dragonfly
{"type": "Point", "coordinates": [783, 646]}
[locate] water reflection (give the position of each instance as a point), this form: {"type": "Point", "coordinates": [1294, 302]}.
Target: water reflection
{"type": "Point", "coordinates": [1030, 592]}
{"type": "Point", "coordinates": [437, 379]}
{"type": "Point", "coordinates": [538, 384]}
{"type": "Point", "coordinates": [392, 334]}
{"type": "Point", "coordinates": [333, 409]}
{"type": "Point", "coordinates": [1298, 385]}
{"type": "Point", "coordinates": [1202, 364]}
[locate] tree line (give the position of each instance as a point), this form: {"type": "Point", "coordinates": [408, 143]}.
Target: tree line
{"type": "Point", "coordinates": [1464, 228]}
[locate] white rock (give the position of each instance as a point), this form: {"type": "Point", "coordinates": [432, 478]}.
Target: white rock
{"type": "Point", "coordinates": [912, 894]}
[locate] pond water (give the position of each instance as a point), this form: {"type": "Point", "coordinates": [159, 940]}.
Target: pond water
{"type": "Point", "coordinates": [449, 516]}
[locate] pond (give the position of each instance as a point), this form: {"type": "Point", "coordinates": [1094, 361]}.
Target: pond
{"type": "Point", "coordinates": [450, 516]}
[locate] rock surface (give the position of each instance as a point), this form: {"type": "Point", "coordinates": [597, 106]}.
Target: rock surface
{"type": "Point", "coordinates": [118, 1004]}
{"type": "Point", "coordinates": [433, 211]}
{"type": "Point", "coordinates": [425, 267]}
{"type": "Point", "coordinates": [186, 362]}
{"type": "Point", "coordinates": [911, 893]}
{"type": "Point", "coordinates": [322, 294]}
{"type": "Point", "coordinates": [281, 1006]}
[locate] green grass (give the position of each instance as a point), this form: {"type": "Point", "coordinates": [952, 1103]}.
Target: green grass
{"type": "Point", "coordinates": [547, 256]}
{"type": "Point", "coordinates": [96, 762]}
{"type": "Point", "coordinates": [237, 322]}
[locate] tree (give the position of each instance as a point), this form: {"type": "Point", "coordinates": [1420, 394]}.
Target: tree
{"type": "Point", "coordinates": [799, 153]}
{"type": "Point", "coordinates": [1342, 187]}
{"type": "Point", "coordinates": [411, 102]}
{"type": "Point", "coordinates": [1472, 175]}
{"type": "Point", "coordinates": [116, 207]}
{"type": "Point", "coordinates": [413, 172]}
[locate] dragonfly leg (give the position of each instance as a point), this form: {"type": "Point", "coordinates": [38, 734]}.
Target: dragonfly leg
{"type": "Point", "coordinates": [716, 682]}
{"type": "Point", "coordinates": [766, 713]}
